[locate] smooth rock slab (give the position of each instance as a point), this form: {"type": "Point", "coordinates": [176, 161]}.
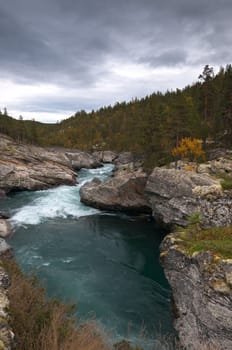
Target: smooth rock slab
{"type": "Point", "coordinates": [26, 167]}
{"type": "Point", "coordinates": [124, 193]}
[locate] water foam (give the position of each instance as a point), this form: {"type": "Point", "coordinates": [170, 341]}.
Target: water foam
{"type": "Point", "coordinates": [60, 202]}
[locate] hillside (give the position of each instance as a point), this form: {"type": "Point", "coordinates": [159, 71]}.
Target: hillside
{"type": "Point", "coordinates": [151, 126]}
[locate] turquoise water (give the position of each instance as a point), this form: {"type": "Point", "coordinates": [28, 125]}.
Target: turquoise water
{"type": "Point", "coordinates": [107, 264]}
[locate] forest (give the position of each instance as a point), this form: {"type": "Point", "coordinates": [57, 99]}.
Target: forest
{"type": "Point", "coordinates": [150, 126]}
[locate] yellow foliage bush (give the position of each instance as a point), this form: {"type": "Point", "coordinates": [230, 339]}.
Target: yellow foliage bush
{"type": "Point", "coordinates": [190, 149]}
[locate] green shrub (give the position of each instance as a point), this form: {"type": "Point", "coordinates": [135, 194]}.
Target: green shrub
{"type": "Point", "coordinates": [227, 183]}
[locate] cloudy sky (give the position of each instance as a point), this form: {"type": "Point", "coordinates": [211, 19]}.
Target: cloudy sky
{"type": "Point", "coordinates": [60, 56]}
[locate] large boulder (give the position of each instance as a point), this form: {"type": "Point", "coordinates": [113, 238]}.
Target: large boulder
{"type": "Point", "coordinates": [24, 167]}
{"type": "Point", "coordinates": [80, 159]}
{"type": "Point", "coordinates": [105, 156]}
{"type": "Point", "coordinates": [202, 292]}
{"type": "Point", "coordinates": [177, 194]}
{"type": "Point", "coordinates": [122, 193]}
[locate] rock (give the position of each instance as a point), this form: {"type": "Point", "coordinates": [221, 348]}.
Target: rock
{"type": "Point", "coordinates": [6, 333]}
{"type": "Point", "coordinates": [5, 228]}
{"type": "Point", "coordinates": [177, 194]}
{"type": "Point", "coordinates": [222, 165]}
{"type": "Point", "coordinates": [2, 194]}
{"type": "Point", "coordinates": [216, 153]}
{"type": "Point", "coordinates": [81, 160]}
{"type": "Point", "coordinates": [105, 156]}
{"type": "Point", "coordinates": [24, 167]}
{"type": "Point", "coordinates": [202, 293]}
{"type": "Point", "coordinates": [123, 193]}
{"type": "Point", "coordinates": [5, 249]}
{"type": "Point", "coordinates": [124, 169]}
{"type": "Point", "coordinates": [124, 158]}
{"type": "Point", "coordinates": [4, 215]}
{"type": "Point", "coordinates": [126, 163]}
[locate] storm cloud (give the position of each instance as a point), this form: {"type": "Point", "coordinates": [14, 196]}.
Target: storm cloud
{"type": "Point", "coordinates": [58, 56]}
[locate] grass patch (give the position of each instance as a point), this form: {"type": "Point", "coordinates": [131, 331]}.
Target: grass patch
{"type": "Point", "coordinates": [226, 180]}
{"type": "Point", "coordinates": [227, 183]}
{"type": "Point", "coordinates": [217, 240]}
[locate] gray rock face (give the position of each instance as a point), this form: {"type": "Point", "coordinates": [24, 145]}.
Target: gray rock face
{"type": "Point", "coordinates": [6, 333]}
{"type": "Point", "coordinates": [124, 158]}
{"type": "Point", "coordinates": [124, 193]}
{"type": "Point", "coordinates": [24, 167]}
{"type": "Point", "coordinates": [5, 228]}
{"type": "Point", "coordinates": [105, 156]}
{"type": "Point", "coordinates": [202, 293]}
{"type": "Point", "coordinates": [221, 165]}
{"type": "Point", "coordinates": [81, 160]}
{"type": "Point", "coordinates": [177, 194]}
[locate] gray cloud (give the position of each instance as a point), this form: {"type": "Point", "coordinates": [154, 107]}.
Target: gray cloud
{"type": "Point", "coordinates": [71, 43]}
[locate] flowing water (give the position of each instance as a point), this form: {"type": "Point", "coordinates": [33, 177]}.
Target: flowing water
{"type": "Point", "coordinates": [106, 263]}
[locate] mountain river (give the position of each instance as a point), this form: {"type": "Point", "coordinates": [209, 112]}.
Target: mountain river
{"type": "Point", "coordinates": [108, 264]}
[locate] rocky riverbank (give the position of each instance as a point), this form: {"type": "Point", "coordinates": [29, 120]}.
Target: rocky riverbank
{"type": "Point", "coordinates": [172, 194]}
{"type": "Point", "coordinates": [201, 281]}
{"type": "Point", "coordinates": [24, 167]}
{"type": "Point", "coordinates": [201, 278]}
{"type": "Point", "coordinates": [6, 333]}
{"type": "Point", "coordinates": [27, 167]}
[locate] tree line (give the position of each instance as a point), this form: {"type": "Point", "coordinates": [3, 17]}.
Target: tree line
{"type": "Point", "coordinates": [151, 126]}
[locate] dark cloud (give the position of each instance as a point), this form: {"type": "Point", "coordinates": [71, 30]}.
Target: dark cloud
{"type": "Point", "coordinates": [168, 58]}
{"type": "Point", "coordinates": [72, 43]}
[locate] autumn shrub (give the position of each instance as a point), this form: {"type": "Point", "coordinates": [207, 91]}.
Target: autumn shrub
{"type": "Point", "coordinates": [189, 149]}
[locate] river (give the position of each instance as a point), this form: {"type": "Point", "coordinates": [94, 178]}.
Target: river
{"type": "Point", "coordinates": [108, 264]}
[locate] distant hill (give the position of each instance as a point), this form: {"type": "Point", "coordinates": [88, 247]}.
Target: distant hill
{"type": "Point", "coordinates": [151, 126]}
